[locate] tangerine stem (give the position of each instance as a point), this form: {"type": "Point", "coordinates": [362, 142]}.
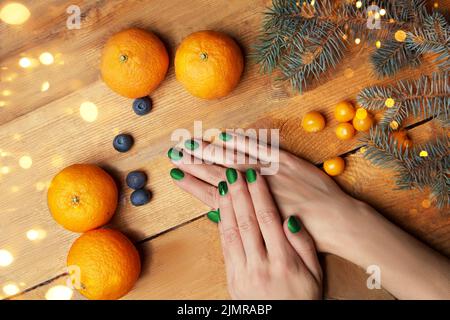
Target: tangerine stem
{"type": "Point", "coordinates": [123, 58]}
{"type": "Point", "coordinates": [204, 56]}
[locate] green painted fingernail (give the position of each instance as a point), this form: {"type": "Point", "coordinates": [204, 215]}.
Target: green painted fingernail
{"type": "Point", "coordinates": [223, 188]}
{"type": "Point", "coordinates": [294, 224]}
{"type": "Point", "coordinates": [231, 175]}
{"type": "Point", "coordinates": [224, 136]}
{"type": "Point", "coordinates": [191, 144]}
{"type": "Point", "coordinates": [250, 175]}
{"type": "Point", "coordinates": [175, 154]}
{"type": "Point", "coordinates": [176, 174]}
{"type": "Point", "coordinates": [214, 215]}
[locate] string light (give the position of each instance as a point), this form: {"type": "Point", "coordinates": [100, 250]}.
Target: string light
{"type": "Point", "coordinates": [394, 125]}
{"type": "Point", "coordinates": [25, 162]}
{"type": "Point", "coordinates": [378, 44]}
{"type": "Point", "coordinates": [400, 36]}
{"type": "Point", "coordinates": [423, 154]}
{"type": "Point", "coordinates": [6, 93]}
{"type": "Point", "coordinates": [2, 104]}
{"type": "Point", "coordinates": [357, 40]}
{"type": "Point", "coordinates": [426, 203]}
{"type": "Point", "coordinates": [358, 4]}
{"type": "Point", "coordinates": [389, 102]}
{"type": "Point", "coordinates": [11, 289]}
{"type": "Point", "coordinates": [59, 292]}
{"type": "Point", "coordinates": [382, 12]}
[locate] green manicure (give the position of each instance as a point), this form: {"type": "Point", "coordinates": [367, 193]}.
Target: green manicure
{"type": "Point", "coordinates": [176, 174]}
{"type": "Point", "coordinates": [231, 175]}
{"type": "Point", "coordinates": [175, 154]}
{"type": "Point", "coordinates": [214, 215]}
{"type": "Point", "coordinates": [294, 224]}
{"type": "Point", "coordinates": [250, 175]}
{"type": "Point", "coordinates": [224, 136]}
{"type": "Point", "coordinates": [223, 188]}
{"type": "Point", "coordinates": [191, 144]}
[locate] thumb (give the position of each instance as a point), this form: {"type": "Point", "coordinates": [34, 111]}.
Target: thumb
{"type": "Point", "coordinates": [303, 244]}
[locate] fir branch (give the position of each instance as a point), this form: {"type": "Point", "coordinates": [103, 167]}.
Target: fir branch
{"type": "Point", "coordinates": [393, 56]}
{"type": "Point", "coordinates": [426, 97]}
{"type": "Point", "coordinates": [433, 37]}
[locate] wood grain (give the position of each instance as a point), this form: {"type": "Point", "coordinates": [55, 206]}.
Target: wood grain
{"type": "Point", "coordinates": [47, 127]}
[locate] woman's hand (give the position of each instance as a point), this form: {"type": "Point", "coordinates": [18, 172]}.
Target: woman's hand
{"type": "Point", "coordinates": [264, 259]}
{"type": "Point", "coordinates": [297, 187]}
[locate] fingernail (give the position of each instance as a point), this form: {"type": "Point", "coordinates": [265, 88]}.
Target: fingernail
{"type": "Point", "coordinates": [231, 175]}
{"type": "Point", "coordinates": [223, 188]}
{"type": "Point", "coordinates": [176, 174]}
{"type": "Point", "coordinates": [250, 175]}
{"type": "Point", "coordinates": [214, 215]}
{"type": "Point", "coordinates": [175, 154]}
{"type": "Point", "coordinates": [191, 144]}
{"type": "Point", "coordinates": [294, 224]}
{"type": "Point", "coordinates": [224, 136]}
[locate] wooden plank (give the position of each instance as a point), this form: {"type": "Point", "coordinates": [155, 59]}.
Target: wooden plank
{"type": "Point", "coordinates": [179, 265]}
{"type": "Point", "coordinates": [54, 135]}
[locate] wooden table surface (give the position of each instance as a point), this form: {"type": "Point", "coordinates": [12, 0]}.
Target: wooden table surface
{"type": "Point", "coordinates": [180, 247]}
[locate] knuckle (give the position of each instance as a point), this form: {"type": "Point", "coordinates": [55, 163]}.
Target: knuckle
{"type": "Point", "coordinates": [230, 235]}
{"type": "Point", "coordinates": [246, 225]}
{"type": "Point", "coordinates": [266, 216]}
{"type": "Point", "coordinates": [211, 196]}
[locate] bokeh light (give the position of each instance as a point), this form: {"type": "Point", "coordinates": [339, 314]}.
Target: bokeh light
{"type": "Point", "coordinates": [88, 111]}
{"type": "Point", "coordinates": [11, 289]}
{"type": "Point", "coordinates": [46, 58]}
{"type": "Point", "coordinates": [36, 234]}
{"type": "Point", "coordinates": [14, 13]}
{"type": "Point", "coordinates": [5, 170]}
{"type": "Point", "coordinates": [45, 86]}
{"type": "Point", "coordinates": [6, 93]}
{"type": "Point", "coordinates": [2, 104]}
{"type": "Point", "coordinates": [59, 292]}
{"type": "Point", "coordinates": [25, 162]}
{"type": "Point", "coordinates": [25, 62]}
{"type": "Point", "coordinates": [6, 258]}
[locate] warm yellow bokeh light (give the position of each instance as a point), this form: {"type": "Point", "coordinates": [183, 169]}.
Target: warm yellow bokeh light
{"type": "Point", "coordinates": [45, 86]}
{"type": "Point", "coordinates": [357, 40]}
{"type": "Point", "coordinates": [59, 292]}
{"type": "Point", "coordinates": [6, 93]}
{"type": "Point", "coordinates": [15, 189]}
{"type": "Point", "coordinates": [2, 104]}
{"type": "Point", "coordinates": [5, 170]}
{"type": "Point", "coordinates": [358, 4]}
{"type": "Point", "coordinates": [389, 102]}
{"type": "Point", "coordinates": [40, 186]}
{"type": "Point", "coordinates": [88, 111]}
{"type": "Point", "coordinates": [11, 289]}
{"type": "Point", "coordinates": [14, 13]}
{"type": "Point", "coordinates": [378, 44]}
{"type": "Point", "coordinates": [423, 154]}
{"type": "Point", "coordinates": [394, 125]}
{"type": "Point", "coordinates": [6, 258]}
{"type": "Point", "coordinates": [25, 162]}
{"type": "Point", "coordinates": [36, 234]}
{"type": "Point", "coordinates": [46, 58]}
{"type": "Point", "coordinates": [25, 62]}
{"type": "Point", "coordinates": [57, 161]}
{"type": "Point", "coordinates": [400, 36]}
{"type": "Point", "coordinates": [382, 12]}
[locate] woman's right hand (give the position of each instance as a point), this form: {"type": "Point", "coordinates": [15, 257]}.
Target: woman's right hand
{"type": "Point", "coordinates": [297, 186]}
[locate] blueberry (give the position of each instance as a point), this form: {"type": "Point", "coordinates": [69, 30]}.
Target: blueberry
{"type": "Point", "coordinates": [142, 106]}
{"type": "Point", "coordinates": [123, 142]}
{"type": "Point", "coordinates": [140, 197]}
{"type": "Point", "coordinates": [136, 180]}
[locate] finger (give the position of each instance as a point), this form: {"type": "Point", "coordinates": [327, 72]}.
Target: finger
{"type": "Point", "coordinates": [229, 232]}
{"type": "Point", "coordinates": [267, 214]}
{"type": "Point", "coordinates": [245, 217]}
{"type": "Point", "coordinates": [199, 189]}
{"type": "Point", "coordinates": [303, 244]}
{"type": "Point", "coordinates": [211, 153]}
{"type": "Point", "coordinates": [256, 148]}
{"type": "Point", "coordinates": [209, 173]}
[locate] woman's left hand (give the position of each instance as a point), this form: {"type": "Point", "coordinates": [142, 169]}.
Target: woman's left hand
{"type": "Point", "coordinates": [264, 258]}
